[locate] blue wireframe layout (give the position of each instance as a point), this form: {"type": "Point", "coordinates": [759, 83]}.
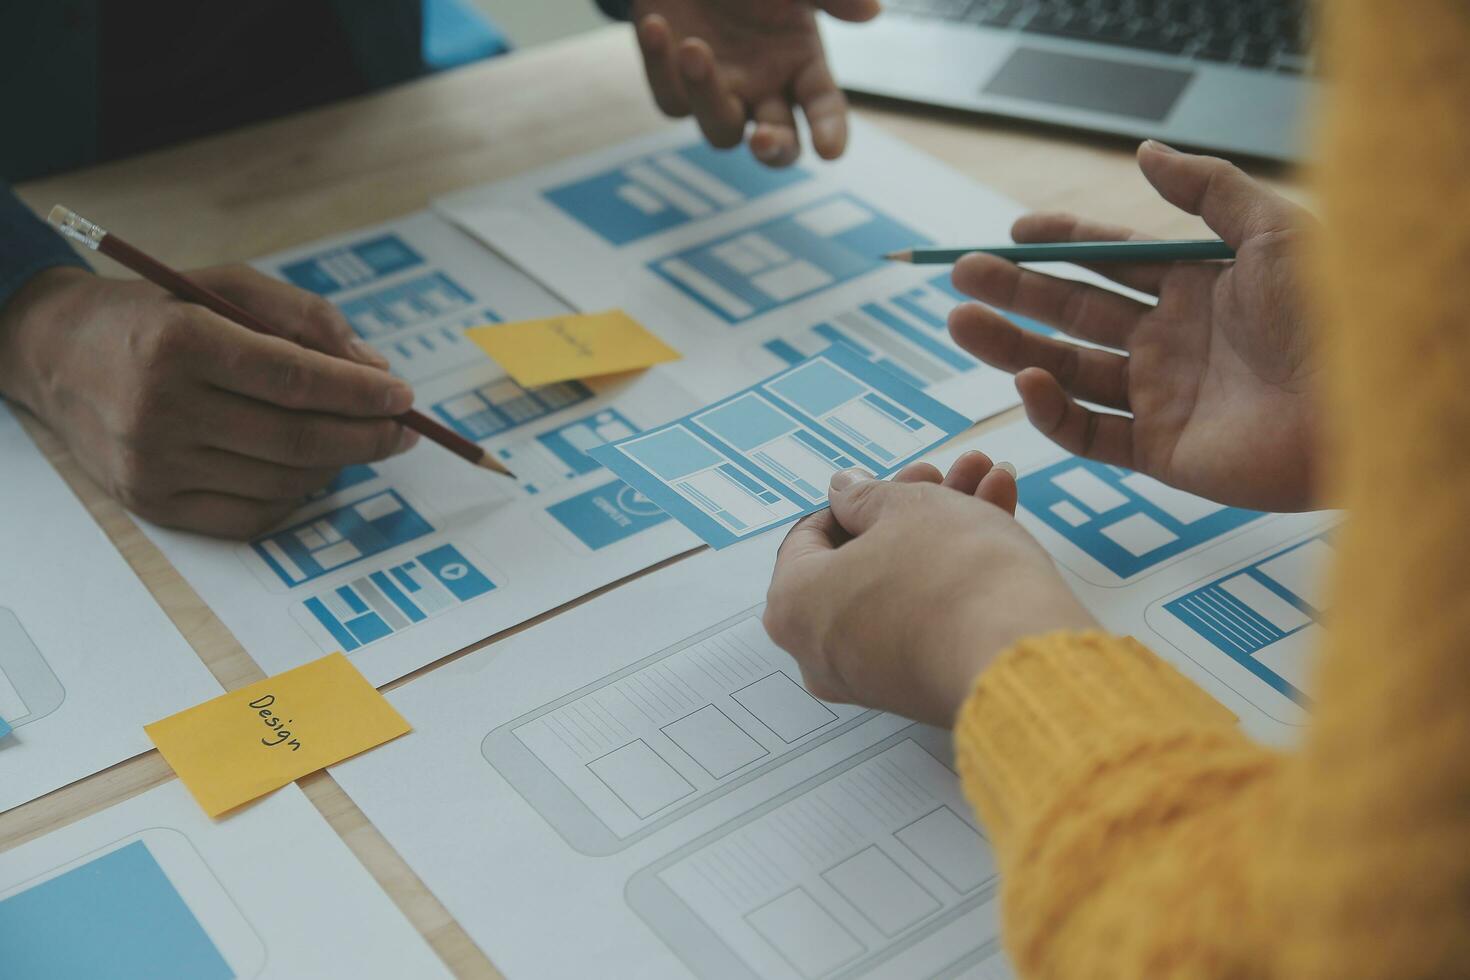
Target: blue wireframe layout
{"type": "Point", "coordinates": [350, 266]}
{"type": "Point", "coordinates": [667, 189]}
{"type": "Point", "coordinates": [339, 537]}
{"type": "Point", "coordinates": [1266, 616]}
{"type": "Point", "coordinates": [560, 455]}
{"type": "Point", "coordinates": [501, 405]}
{"type": "Point", "coordinates": [764, 266]}
{"type": "Point", "coordinates": [1127, 522]}
{"type": "Point", "coordinates": [414, 313]}
{"type": "Point", "coordinates": [764, 456]}
{"type": "Point", "coordinates": [906, 334]}
{"type": "Point", "coordinates": [381, 603]}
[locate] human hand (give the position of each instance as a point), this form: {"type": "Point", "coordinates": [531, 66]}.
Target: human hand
{"type": "Point", "coordinates": [904, 591]}
{"type": "Point", "coordinates": [731, 61]}
{"type": "Point", "coordinates": [1221, 377]}
{"type": "Point", "coordinates": [188, 419]}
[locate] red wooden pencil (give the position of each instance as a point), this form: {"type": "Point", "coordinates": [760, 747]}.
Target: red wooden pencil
{"type": "Point", "coordinates": [98, 239]}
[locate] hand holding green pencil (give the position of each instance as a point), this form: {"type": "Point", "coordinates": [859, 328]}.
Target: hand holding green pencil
{"type": "Point", "coordinates": [1209, 388]}
{"type": "Point", "coordinates": [1141, 250]}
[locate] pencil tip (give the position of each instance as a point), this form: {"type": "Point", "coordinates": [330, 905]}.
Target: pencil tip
{"type": "Point", "coordinates": [906, 255]}
{"type": "Point", "coordinates": [495, 466]}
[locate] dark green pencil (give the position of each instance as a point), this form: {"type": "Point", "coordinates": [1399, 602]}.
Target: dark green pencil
{"type": "Point", "coordinates": [1201, 250]}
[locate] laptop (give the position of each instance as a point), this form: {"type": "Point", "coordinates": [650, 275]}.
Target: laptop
{"type": "Point", "coordinates": [1224, 75]}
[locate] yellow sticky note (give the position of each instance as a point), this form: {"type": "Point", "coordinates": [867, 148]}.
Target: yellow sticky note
{"type": "Point", "coordinates": [241, 745]}
{"type": "Point", "coordinates": [539, 352]}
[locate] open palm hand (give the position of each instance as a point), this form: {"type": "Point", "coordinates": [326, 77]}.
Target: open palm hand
{"type": "Point", "coordinates": [1218, 378]}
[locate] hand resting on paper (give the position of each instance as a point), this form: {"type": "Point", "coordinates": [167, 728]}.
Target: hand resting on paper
{"type": "Point", "coordinates": [188, 419]}
{"type": "Point", "coordinates": [900, 594]}
{"type": "Point", "coordinates": [1221, 376]}
{"type": "Point", "coordinates": [730, 62]}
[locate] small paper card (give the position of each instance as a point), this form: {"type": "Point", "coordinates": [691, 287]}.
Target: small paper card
{"type": "Point", "coordinates": [561, 348]}
{"type": "Point", "coordinates": [244, 744]}
{"type": "Point", "coordinates": [764, 457]}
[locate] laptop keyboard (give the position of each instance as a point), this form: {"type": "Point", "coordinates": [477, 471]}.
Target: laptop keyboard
{"type": "Point", "coordinates": [1269, 35]}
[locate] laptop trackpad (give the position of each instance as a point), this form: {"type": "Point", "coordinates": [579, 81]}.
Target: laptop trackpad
{"type": "Point", "coordinates": [1078, 82]}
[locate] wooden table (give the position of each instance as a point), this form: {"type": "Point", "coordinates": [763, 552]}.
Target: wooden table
{"type": "Point", "coordinates": [257, 190]}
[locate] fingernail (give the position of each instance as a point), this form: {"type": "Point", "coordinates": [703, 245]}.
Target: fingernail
{"type": "Point", "coordinates": [1008, 467]}
{"type": "Point", "coordinates": [766, 150]}
{"type": "Point", "coordinates": [1161, 147]}
{"type": "Point", "coordinates": [844, 479]}
{"type": "Point", "coordinates": [367, 353]}
{"type": "Point", "coordinates": [827, 133]}
{"type": "Point", "coordinates": [397, 399]}
{"type": "Point", "coordinates": [407, 441]}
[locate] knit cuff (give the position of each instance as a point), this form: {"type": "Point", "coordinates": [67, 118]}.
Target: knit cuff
{"type": "Point", "coordinates": [27, 246]}
{"type": "Point", "coordinates": [1052, 702]}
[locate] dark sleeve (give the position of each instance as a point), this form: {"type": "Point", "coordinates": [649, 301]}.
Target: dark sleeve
{"type": "Point", "coordinates": [616, 9]}
{"type": "Point", "coordinates": [27, 245]}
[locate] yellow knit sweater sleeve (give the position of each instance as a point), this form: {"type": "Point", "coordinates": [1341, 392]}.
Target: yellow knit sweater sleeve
{"type": "Point", "coordinates": [1139, 832]}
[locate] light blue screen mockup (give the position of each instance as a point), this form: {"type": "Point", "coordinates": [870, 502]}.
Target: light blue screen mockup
{"type": "Point", "coordinates": [340, 537]}
{"type": "Point", "coordinates": [1127, 522]}
{"type": "Point", "coordinates": [906, 334]}
{"type": "Point", "coordinates": [764, 456]}
{"type": "Point", "coordinates": [747, 273]}
{"type": "Point", "coordinates": [352, 265]}
{"type": "Point", "coordinates": [381, 603]}
{"type": "Point", "coordinates": [667, 189]}
{"type": "Point", "coordinates": [1266, 616]}
{"type": "Point", "coordinates": [116, 916]}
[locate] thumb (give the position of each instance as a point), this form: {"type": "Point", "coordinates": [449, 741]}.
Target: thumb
{"type": "Point", "coordinates": [1235, 207]}
{"type": "Point", "coordinates": [854, 10]}
{"type": "Point", "coordinates": [858, 499]}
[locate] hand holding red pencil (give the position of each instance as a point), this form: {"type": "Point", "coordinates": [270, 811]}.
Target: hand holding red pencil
{"type": "Point", "coordinates": [191, 420]}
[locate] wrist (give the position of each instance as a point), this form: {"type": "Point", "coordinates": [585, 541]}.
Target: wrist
{"type": "Point", "coordinates": [32, 323]}
{"type": "Point", "coordinates": [988, 626]}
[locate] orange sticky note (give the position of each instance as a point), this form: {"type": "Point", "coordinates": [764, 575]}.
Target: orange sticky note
{"type": "Point", "coordinates": [560, 348]}
{"type": "Point", "coordinates": [244, 744]}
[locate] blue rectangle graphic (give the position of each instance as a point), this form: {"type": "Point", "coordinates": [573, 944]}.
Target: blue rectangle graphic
{"type": "Point", "coordinates": [405, 305]}
{"type": "Point", "coordinates": [1124, 521]}
{"type": "Point", "coordinates": [117, 916]}
{"type": "Point", "coordinates": [384, 602]}
{"type": "Point", "coordinates": [667, 189]}
{"type": "Point", "coordinates": [765, 456]}
{"type": "Point", "coordinates": [559, 455]}
{"type": "Point", "coordinates": [1257, 615]}
{"type": "Point", "coordinates": [820, 245]}
{"type": "Point", "coordinates": [351, 265]}
{"type": "Point", "coordinates": [607, 514]}
{"type": "Point", "coordinates": [340, 537]}
{"type": "Point", "coordinates": [906, 334]}
{"type": "Point", "coordinates": [504, 405]}
{"type": "Point", "coordinates": [346, 478]}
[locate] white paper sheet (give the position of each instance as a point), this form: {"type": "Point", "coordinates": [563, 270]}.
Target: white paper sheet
{"type": "Point", "coordinates": [746, 269]}
{"type": "Point", "coordinates": [411, 559]}
{"type": "Point", "coordinates": [627, 752]}
{"type": "Point", "coordinates": [656, 782]}
{"type": "Point", "coordinates": [272, 889]}
{"type": "Point", "coordinates": [86, 656]}
{"type": "Point", "coordinates": [1232, 598]}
